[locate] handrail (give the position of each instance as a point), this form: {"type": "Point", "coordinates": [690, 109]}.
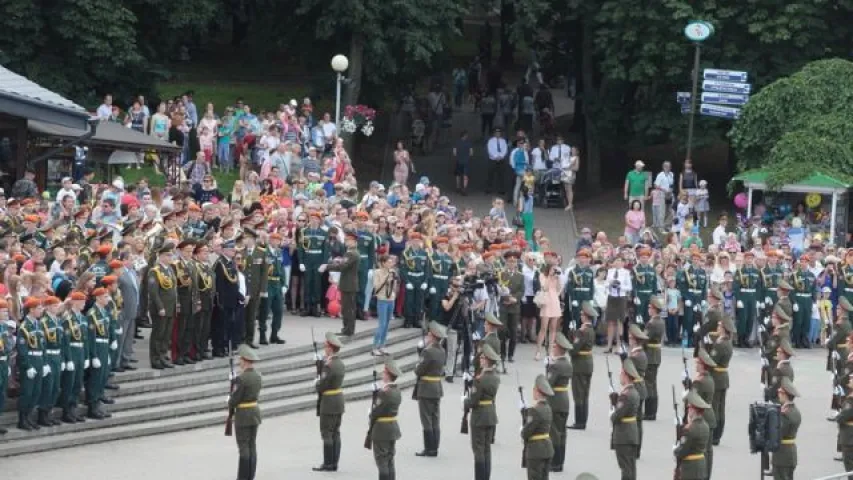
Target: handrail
{"type": "Point", "coordinates": [836, 476]}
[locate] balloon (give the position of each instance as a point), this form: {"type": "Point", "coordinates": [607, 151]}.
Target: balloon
{"type": "Point", "coordinates": [334, 308]}
{"type": "Point", "coordinates": [741, 200]}
{"type": "Point", "coordinates": [813, 200]}
{"type": "Point", "coordinates": [796, 222]}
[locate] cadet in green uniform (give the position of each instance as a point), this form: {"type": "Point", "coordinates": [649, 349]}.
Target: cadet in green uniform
{"type": "Point", "coordinates": [784, 460]}
{"type": "Point", "coordinates": [328, 386]}
{"type": "Point", "coordinates": [690, 449]}
{"type": "Point", "coordinates": [703, 385]}
{"type": "Point", "coordinates": [429, 391]}
{"type": "Point", "coordinates": [31, 367]}
{"type": "Point", "coordinates": [54, 339]}
{"type": "Point", "coordinates": [312, 252]}
{"type": "Point", "coordinates": [367, 243]}
{"type": "Point", "coordinates": [784, 302]}
{"type": "Point", "coordinates": [803, 299]}
{"type": "Point", "coordinates": [655, 328]}
{"type": "Point", "coordinates": [491, 338]}
{"type": "Point", "coordinates": [747, 287]}
{"type": "Point", "coordinates": [383, 417]}
{"type": "Point", "coordinates": [845, 426]}
{"type": "Point", "coordinates": [624, 408]}
{"type": "Point", "coordinates": [415, 272]}
{"type": "Point", "coordinates": [206, 281]}
{"type": "Point", "coordinates": [275, 297]}
{"type": "Point", "coordinates": [247, 415]}
{"type": "Point", "coordinates": [637, 354]}
{"type": "Point", "coordinates": [579, 289]}
{"type": "Point", "coordinates": [722, 354]}
{"type": "Point", "coordinates": [845, 278]}
{"type": "Point", "coordinates": [348, 284]}
{"type": "Point", "coordinates": [255, 270]}
{"type": "Point", "coordinates": [511, 283]}
{"type": "Point", "coordinates": [100, 267]}
{"type": "Point", "coordinates": [771, 275]}
{"type": "Point", "coordinates": [645, 283]}
{"type": "Point", "coordinates": [582, 342]}
{"type": "Point", "coordinates": [837, 343]}
{"type": "Point", "coordinates": [483, 418]}
{"type": "Point", "coordinates": [780, 323]}
{"type": "Point", "coordinates": [783, 368]}
{"type": "Point", "coordinates": [99, 354]}
{"type": "Point", "coordinates": [536, 431]}
{"type": "Point", "coordinates": [7, 344]}
{"type": "Point", "coordinates": [189, 302]}
{"type": "Point", "coordinates": [162, 301]}
{"type": "Point", "coordinates": [560, 373]}
{"type": "Point", "coordinates": [693, 285]}
{"type": "Point", "coordinates": [706, 334]}
{"type": "Point", "coordinates": [76, 356]}
{"type": "Point", "coordinates": [443, 268]}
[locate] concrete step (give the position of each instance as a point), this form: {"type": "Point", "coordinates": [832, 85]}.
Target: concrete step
{"type": "Point", "coordinates": [173, 423]}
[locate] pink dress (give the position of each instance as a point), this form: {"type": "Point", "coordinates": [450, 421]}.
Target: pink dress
{"type": "Point", "coordinates": [401, 169]}
{"type": "Point", "coordinates": [551, 287]}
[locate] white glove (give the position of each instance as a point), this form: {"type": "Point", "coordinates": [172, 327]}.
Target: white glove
{"type": "Point", "coordinates": [375, 387]}
{"type": "Point", "coordinates": [758, 305]}
{"type": "Point", "coordinates": [761, 328]}
{"type": "Point", "coordinates": [432, 290]}
{"type": "Point", "coordinates": [675, 446]}
{"type": "Point", "coordinates": [764, 362]}
{"type": "Point", "coordinates": [696, 308]}
{"type": "Point", "coordinates": [610, 387]}
{"type": "Point", "coordinates": [547, 361]}
{"type": "Point", "coordinates": [466, 377]}
{"type": "Point", "coordinates": [612, 409]}
{"type": "Point", "coordinates": [476, 336]}
{"type": "Point", "coordinates": [264, 295]}
{"type": "Point", "coordinates": [739, 304]}
{"type": "Point", "coordinates": [835, 355]}
{"type": "Point", "coordinates": [321, 268]}
{"type": "Point", "coordinates": [767, 301]}
{"type": "Point", "coordinates": [640, 320]}
{"type": "Point", "coordinates": [423, 286]}
{"type": "Point", "coordinates": [521, 405]}
{"type": "Point", "coordinates": [284, 290]}
{"type": "Point", "coordinates": [688, 303]}
{"type": "Point", "coordinates": [96, 363]}
{"type": "Point", "coordinates": [521, 429]}
{"type": "Point", "coordinates": [228, 400]}
{"type": "Point", "coordinates": [636, 300]}
{"type": "Point", "coordinates": [839, 390]}
{"type": "Point", "coordinates": [316, 381]}
{"type": "Point", "coordinates": [574, 303]}
{"type": "Point", "coordinates": [45, 370]}
{"type": "Point", "coordinates": [409, 286]}
{"type": "Point", "coordinates": [421, 345]}
{"type": "Point", "coordinates": [301, 267]}
{"type": "Point", "coordinates": [231, 376]}
{"type": "Point", "coordinates": [31, 373]}
{"type": "Point", "coordinates": [464, 399]}
{"type": "Point", "coordinates": [796, 307]}
{"type": "Point", "coordinates": [109, 361]}
{"type": "Point", "coordinates": [61, 366]}
{"type": "Point", "coordinates": [707, 339]}
{"type": "Point", "coordinates": [119, 331]}
{"type": "Point", "coordinates": [695, 327]}
{"type": "Point", "coordinates": [684, 375]}
{"type": "Point", "coordinates": [318, 357]}
{"type": "Point", "coordinates": [86, 364]}
{"type": "Point", "coordinates": [572, 324]}
{"type": "Point", "coordinates": [114, 345]}
{"type": "Point", "coordinates": [69, 366]}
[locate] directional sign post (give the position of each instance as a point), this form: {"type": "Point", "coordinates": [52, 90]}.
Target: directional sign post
{"type": "Point", "coordinates": [726, 87]}
{"type": "Point", "coordinates": [710, 110]}
{"type": "Point", "coordinates": [683, 98]}
{"type": "Point", "coordinates": [733, 99]}
{"type": "Point", "coordinates": [724, 75]}
{"type": "Point", "coordinates": [696, 31]}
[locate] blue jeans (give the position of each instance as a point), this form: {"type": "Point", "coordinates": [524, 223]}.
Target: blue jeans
{"type": "Point", "coordinates": [814, 330]}
{"type": "Point", "coordinates": [385, 309]}
{"type": "Point", "coordinates": [672, 333]}
{"type": "Point", "coordinates": [224, 155]}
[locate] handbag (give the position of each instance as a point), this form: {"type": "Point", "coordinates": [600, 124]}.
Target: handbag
{"type": "Point", "coordinates": [540, 298]}
{"type": "Point", "coordinates": [517, 220]}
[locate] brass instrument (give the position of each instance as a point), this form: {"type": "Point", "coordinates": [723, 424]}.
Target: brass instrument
{"type": "Point", "coordinates": [50, 337]}
{"type": "Point", "coordinates": [407, 257]}
{"type": "Point", "coordinates": [99, 327]}
{"type": "Point", "coordinates": [32, 340]}
{"type": "Point", "coordinates": [184, 279]}
{"type": "Point", "coordinates": [798, 281]}
{"type": "Point", "coordinates": [165, 281]}
{"type": "Point", "coordinates": [306, 243]}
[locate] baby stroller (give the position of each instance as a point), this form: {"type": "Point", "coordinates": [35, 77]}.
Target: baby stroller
{"type": "Point", "coordinates": [550, 189]}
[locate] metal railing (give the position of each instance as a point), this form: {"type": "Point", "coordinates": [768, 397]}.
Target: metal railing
{"type": "Point", "coordinates": [836, 476]}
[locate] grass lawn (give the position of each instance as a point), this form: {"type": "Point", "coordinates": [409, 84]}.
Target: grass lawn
{"type": "Point", "coordinates": [132, 176]}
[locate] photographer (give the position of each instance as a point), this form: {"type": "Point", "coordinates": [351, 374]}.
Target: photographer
{"type": "Point", "coordinates": [454, 316]}
{"type": "Point", "coordinates": [386, 283]}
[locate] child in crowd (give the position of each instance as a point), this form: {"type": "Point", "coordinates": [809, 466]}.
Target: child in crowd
{"type": "Point", "coordinates": [600, 297]}
{"type": "Point", "coordinates": [205, 142]}
{"type": "Point", "coordinates": [673, 296]}
{"type": "Point", "coordinates": [703, 203]}
{"type": "Point", "coordinates": [497, 212]}
{"type": "Point", "coordinates": [682, 212]}
{"type": "Point", "coordinates": [821, 315]}
{"type": "Point", "coordinates": [529, 179]}
{"type": "Point", "coordinates": [658, 208]}
{"type": "Point", "coordinates": [333, 293]}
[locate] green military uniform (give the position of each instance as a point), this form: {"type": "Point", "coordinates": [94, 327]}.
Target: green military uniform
{"type": "Point", "coordinates": [703, 385]}
{"type": "Point", "coordinates": [348, 286]}
{"type": "Point", "coordinates": [188, 303]}
{"type": "Point", "coordinates": [721, 353]}
{"type": "Point", "coordinates": [255, 270]}
{"type": "Point", "coordinates": [845, 282]}
{"type": "Point", "coordinates": [312, 253]}
{"type": "Point", "coordinates": [655, 328]}
{"type": "Point", "coordinates": [275, 299]}
{"type": "Point", "coordinates": [443, 268]}
{"type": "Point", "coordinates": [707, 332]}
{"type": "Point", "coordinates": [114, 310]}
{"type": "Point", "coordinates": [782, 369]}
{"type": "Point", "coordinates": [484, 418]}
{"type": "Point", "coordinates": [367, 243]}
{"type": "Point", "coordinates": [415, 273]}
{"type": "Point", "coordinates": [76, 356]}
{"type": "Point", "coordinates": [583, 341]}
{"type": "Point", "coordinates": [693, 285]}
{"type": "Point", "coordinates": [7, 344]}
{"type": "Point", "coordinates": [30, 369]}
{"type": "Point", "coordinates": [100, 269]}
{"type": "Point", "coordinates": [784, 460]}
{"type": "Point", "coordinates": [386, 429]}
{"type": "Point", "coordinates": [510, 311]}
{"type": "Point", "coordinates": [99, 339]}
{"type": "Point", "coordinates": [784, 301]}
{"type": "Point", "coordinates": [247, 415]}
{"type": "Point", "coordinates": [837, 341]}
{"type": "Point", "coordinates": [54, 339]}
{"type": "Point", "coordinates": [771, 275]}
{"type": "Point", "coordinates": [206, 282]}
{"type": "Point", "coordinates": [641, 363]}
{"type": "Point", "coordinates": [328, 386]}
{"type": "Point", "coordinates": [162, 297]}
{"type": "Point", "coordinates": [536, 433]}
{"type": "Point", "coordinates": [803, 299]}
{"type": "Point", "coordinates": [845, 429]}
{"type": "Point", "coordinates": [429, 371]}
{"type": "Point", "coordinates": [691, 447]}
{"type": "Point", "coordinates": [491, 339]}
{"type": "Point", "coordinates": [560, 372]}
{"type": "Point", "coordinates": [580, 288]}
{"type": "Point", "coordinates": [625, 437]}
{"type": "Point", "coordinates": [645, 283]}
{"type": "Point", "coordinates": [747, 288]}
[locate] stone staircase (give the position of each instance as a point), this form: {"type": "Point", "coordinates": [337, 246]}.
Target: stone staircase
{"type": "Point", "coordinates": [150, 402]}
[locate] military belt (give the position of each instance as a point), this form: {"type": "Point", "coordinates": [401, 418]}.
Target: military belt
{"type": "Point", "coordinates": [695, 456]}
{"type": "Point", "coordinates": [274, 279]}
{"type": "Point", "coordinates": [560, 389]}
{"type": "Point", "coordinates": [248, 405]}
{"type": "Point", "coordinates": [3, 358]}
{"type": "Point", "coordinates": [52, 351]}
{"type": "Point", "coordinates": [314, 251]}
{"type": "Point", "coordinates": [653, 345]}
{"type": "Point", "coordinates": [363, 255]}
{"type": "Point", "coordinates": [101, 340]}
{"type": "Point", "coordinates": [629, 420]}
{"type": "Point", "coordinates": [486, 402]}
{"type": "Point", "coordinates": [541, 436]}
{"type": "Point", "coordinates": [639, 380]}
{"type": "Point", "coordinates": [721, 369]}
{"type": "Point", "coordinates": [747, 290]}
{"type": "Point", "coordinates": [76, 344]}
{"type": "Point", "coordinates": [694, 290]}
{"type": "Point", "coordinates": [849, 423]}
{"type": "Point", "coordinates": [789, 441]}
{"type": "Point", "coordinates": [431, 379]}
{"type": "Point", "coordinates": [386, 419]}
{"type": "Point", "coordinates": [440, 277]}
{"type": "Point", "coordinates": [842, 345]}
{"type": "Point", "coordinates": [416, 274]}
{"type": "Point", "coordinates": [336, 391]}
{"type": "Point", "coordinates": [585, 352]}
{"type": "Point", "coordinates": [806, 295]}
{"type": "Point", "coordinates": [581, 289]}
{"type": "Point", "coordinates": [848, 289]}
{"type": "Point", "coordinates": [644, 291]}
{"type": "Point", "coordinates": [119, 331]}
{"type": "Point", "coordinates": [772, 289]}
{"type": "Point", "coordinates": [35, 353]}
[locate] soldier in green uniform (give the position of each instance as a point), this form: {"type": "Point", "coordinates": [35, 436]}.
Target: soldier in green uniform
{"type": "Point", "coordinates": [100, 267]}
{"type": "Point", "coordinates": [537, 431]}
{"type": "Point", "coordinates": [491, 338]}
{"type": "Point", "coordinates": [637, 354]}
{"type": "Point", "coordinates": [703, 385]}
{"type": "Point", "coordinates": [312, 252]}
{"type": "Point", "coordinates": [771, 275]}
{"type": "Point", "coordinates": [747, 287]}
{"type": "Point", "coordinates": [624, 407]}
{"type": "Point", "coordinates": [206, 282]}
{"type": "Point", "coordinates": [7, 344]}
{"type": "Point", "coordinates": [328, 386]}
{"type": "Point", "coordinates": [99, 354]}
{"type": "Point", "coordinates": [31, 367]}
{"type": "Point", "coordinates": [76, 356]}
{"type": "Point", "coordinates": [162, 306]}
{"type": "Point", "coordinates": [54, 339]}
{"type": "Point", "coordinates": [275, 297]}
{"type": "Point", "coordinates": [348, 284]}
{"type": "Point", "coordinates": [483, 418]}
{"type": "Point", "coordinates": [255, 270]}
{"type": "Point", "coordinates": [511, 285]}
{"type": "Point", "coordinates": [693, 285]}
{"type": "Point", "coordinates": [803, 299]}
{"type": "Point", "coordinates": [784, 302]}
{"type": "Point", "coordinates": [383, 417]}
{"type": "Point", "coordinates": [655, 328]}
{"type": "Point", "coordinates": [582, 342]}
{"type": "Point", "coordinates": [782, 369]}
{"type": "Point", "coordinates": [579, 289]}
{"type": "Point", "coordinates": [559, 371]}
{"type": "Point", "coordinates": [645, 283]}
{"type": "Point", "coordinates": [247, 415]}
{"type": "Point", "coordinates": [367, 243]}
{"type": "Point", "coordinates": [722, 354]}
{"type": "Point", "coordinates": [690, 449]}
{"type": "Point", "coordinates": [113, 309]}
{"type": "Point", "coordinates": [429, 391]}
{"type": "Point", "coordinates": [784, 460]}
{"type": "Point", "coordinates": [845, 278]}
{"type": "Point", "coordinates": [415, 272]}
{"type": "Point", "coordinates": [844, 419]}
{"type": "Point", "coordinates": [189, 302]}
{"type": "Point", "coordinates": [443, 268]}
{"type": "Point", "coordinates": [837, 344]}
{"type": "Point", "coordinates": [706, 334]}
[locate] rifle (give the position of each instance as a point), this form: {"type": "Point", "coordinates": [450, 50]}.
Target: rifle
{"type": "Point", "coordinates": [467, 384]}
{"type": "Point", "coordinates": [613, 395]}
{"type": "Point", "coordinates": [229, 423]}
{"type": "Point", "coordinates": [837, 389]}
{"type": "Point", "coordinates": [523, 418]}
{"type": "Point", "coordinates": [319, 364]}
{"type": "Point", "coordinates": [765, 368]}
{"type": "Point", "coordinates": [676, 475]}
{"type": "Point", "coordinates": [368, 439]}
{"type": "Point", "coordinates": [421, 346]}
{"type": "Point", "coordinates": [685, 380]}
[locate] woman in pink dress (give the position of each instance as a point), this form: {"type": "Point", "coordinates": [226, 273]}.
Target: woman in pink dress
{"type": "Point", "coordinates": [635, 221]}
{"type": "Point", "coordinates": [550, 312]}
{"type": "Point", "coordinates": [403, 164]}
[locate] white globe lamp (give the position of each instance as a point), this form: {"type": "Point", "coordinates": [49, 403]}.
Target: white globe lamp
{"type": "Point", "coordinates": [340, 63]}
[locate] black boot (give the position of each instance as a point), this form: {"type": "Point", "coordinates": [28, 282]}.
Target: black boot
{"type": "Point", "coordinates": [68, 416]}
{"type": "Point", "coordinates": [253, 462]}
{"type": "Point", "coordinates": [328, 454]}
{"type": "Point", "coordinates": [95, 411]}
{"type": "Point", "coordinates": [651, 409]}
{"type": "Point", "coordinates": [336, 454]}
{"type": "Point", "coordinates": [479, 471]}
{"type": "Point", "coordinates": [30, 419]}
{"type": "Point", "coordinates": [243, 468]}
{"type": "Point", "coordinates": [488, 468]}
{"type": "Point", "coordinates": [306, 312]}
{"type": "Point", "coordinates": [23, 423]}
{"type": "Point", "coordinates": [427, 451]}
{"type": "Point", "coordinates": [556, 460]}
{"type": "Point", "coordinates": [436, 439]}
{"type": "Point", "coordinates": [3, 431]}
{"type": "Point", "coordinates": [53, 419]}
{"type": "Point", "coordinates": [263, 340]}
{"type": "Point", "coordinates": [579, 424]}
{"type": "Point", "coordinates": [43, 421]}
{"type": "Point", "coordinates": [78, 415]}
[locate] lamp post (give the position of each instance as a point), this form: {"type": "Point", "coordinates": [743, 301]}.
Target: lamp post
{"type": "Point", "coordinates": [340, 63]}
{"type": "Point", "coordinates": [697, 32]}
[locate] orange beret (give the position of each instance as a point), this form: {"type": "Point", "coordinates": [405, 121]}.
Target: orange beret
{"type": "Point", "coordinates": [645, 252]}
{"type": "Point", "coordinates": [194, 207]}
{"type": "Point", "coordinates": [415, 236]}
{"type": "Point", "coordinates": [275, 236]}
{"type": "Point", "coordinates": [32, 302]}
{"type": "Point", "coordinates": [78, 295]}
{"type": "Point", "coordinates": [584, 252]}
{"type": "Point", "coordinates": [104, 249]}
{"type": "Point", "coordinates": [99, 291]}
{"type": "Point", "coordinates": [466, 246]}
{"type": "Point", "coordinates": [440, 240]}
{"type": "Point", "coordinates": [488, 255]}
{"type": "Point", "coordinates": [109, 280]}
{"type": "Point", "coordinates": [362, 216]}
{"type": "Point", "coordinates": [19, 257]}
{"type": "Point", "coordinates": [550, 254]}
{"type": "Point", "coordinates": [32, 218]}
{"type": "Point", "coordinates": [116, 264]}
{"type": "Point", "coordinates": [3, 304]}
{"type": "Point", "coordinates": [495, 247]}
{"type": "Point", "coordinates": [52, 301]}
{"type": "Point", "coordinates": [805, 257]}
{"type": "Point", "coordinates": [28, 201]}
{"type": "Point", "coordinates": [81, 213]}
{"type": "Point", "coordinates": [316, 214]}
{"type": "Point", "coordinates": [696, 253]}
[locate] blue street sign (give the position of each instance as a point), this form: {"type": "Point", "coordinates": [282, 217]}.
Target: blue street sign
{"type": "Point", "coordinates": [683, 97]}
{"type": "Point", "coordinates": [726, 87]}
{"type": "Point", "coordinates": [734, 99]}
{"type": "Point", "coordinates": [724, 75]}
{"type": "Point", "coordinates": [685, 108]}
{"type": "Point", "coordinates": [719, 111]}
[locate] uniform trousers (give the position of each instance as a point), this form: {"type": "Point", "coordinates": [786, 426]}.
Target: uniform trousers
{"type": "Point", "coordinates": [538, 468]}
{"type": "Point", "coordinates": [161, 338]}
{"type": "Point", "coordinates": [719, 405]}
{"type": "Point", "coordinates": [383, 455]}
{"type": "Point", "coordinates": [251, 316]}
{"type": "Point", "coordinates": [626, 457]}
{"type": "Point", "coordinates": [509, 334]}
{"type": "Point", "coordinates": [348, 308]}
{"type": "Point", "coordinates": [202, 332]}
{"type": "Point", "coordinates": [430, 411]}
{"type": "Point", "coordinates": [247, 448]}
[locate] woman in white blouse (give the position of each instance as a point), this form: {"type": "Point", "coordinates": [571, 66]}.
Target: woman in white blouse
{"type": "Point", "coordinates": [619, 290]}
{"type": "Point", "coordinates": [529, 310]}
{"type": "Point", "coordinates": [723, 265]}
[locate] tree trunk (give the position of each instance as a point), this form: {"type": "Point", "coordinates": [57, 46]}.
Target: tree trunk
{"type": "Point", "coordinates": [507, 19]}
{"type": "Point", "coordinates": [352, 90]}
{"type": "Point", "coordinates": [593, 151]}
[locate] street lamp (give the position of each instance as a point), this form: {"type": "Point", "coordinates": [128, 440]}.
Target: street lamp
{"type": "Point", "coordinates": [340, 63]}
{"type": "Point", "coordinates": [697, 32]}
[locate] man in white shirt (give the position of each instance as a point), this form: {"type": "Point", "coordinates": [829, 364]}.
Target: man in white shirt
{"type": "Point", "coordinates": [498, 151]}
{"type": "Point", "coordinates": [330, 130]}
{"type": "Point", "coordinates": [105, 111]}
{"type": "Point", "coordinates": [665, 180]}
{"type": "Point", "coordinates": [719, 235]}
{"type": "Point", "coordinates": [560, 154]}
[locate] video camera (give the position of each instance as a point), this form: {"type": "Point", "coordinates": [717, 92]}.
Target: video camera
{"type": "Point", "coordinates": [472, 283]}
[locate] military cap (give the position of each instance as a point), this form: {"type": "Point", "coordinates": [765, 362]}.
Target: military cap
{"type": "Point", "coordinates": [441, 240]}
{"type": "Point", "coordinates": [194, 207]}
{"type": "Point", "coordinates": [541, 384]}
{"type": "Point", "coordinates": [629, 368]}
{"type": "Point", "coordinates": [490, 353]}
{"type": "Point", "coordinates": [114, 264]}
{"type": "Point", "coordinates": [705, 358]}
{"type": "Point", "coordinates": [104, 250]}
{"type": "Point", "coordinates": [51, 300]}
{"type": "Point", "coordinates": [248, 232]}
{"type": "Point", "coordinates": [488, 255]}
{"type": "Point", "coordinates": [491, 318]}
{"type": "Point", "coordinates": [437, 330]}
{"type": "Point", "coordinates": [275, 236]}
{"type": "Point", "coordinates": [584, 252]}
{"type": "Point", "coordinates": [392, 368]}
{"type": "Point", "coordinates": [167, 247]}
{"type": "Point", "coordinates": [32, 302]}
{"type": "Point", "coordinates": [187, 242]}
{"type": "Point", "coordinates": [788, 386]}
{"type": "Point", "coordinates": [786, 347]}
{"type": "Point", "coordinates": [19, 258]}
{"type": "Point", "coordinates": [415, 236]}
{"type": "Point", "coordinates": [78, 295]}
{"type": "Point", "coordinates": [247, 353]}
{"type": "Point", "coordinates": [351, 234]}
{"type": "Point", "coordinates": [589, 310]}
{"type": "Point", "coordinates": [99, 291]}
{"type": "Point", "coordinates": [729, 324]}
{"type": "Point", "coordinates": [549, 254]}
{"type": "Point", "coordinates": [780, 312]}
{"type": "Point", "coordinates": [361, 215]}
{"type": "Point", "coordinates": [645, 252]}
{"type": "Point", "coordinates": [586, 476]}
{"type": "Point", "coordinates": [716, 293]}
{"type": "Point", "coordinates": [658, 302]}
{"type": "Point", "coordinates": [845, 304]}
{"type": "Point", "coordinates": [784, 285]}
{"type": "Point", "coordinates": [109, 280]}
{"type": "Point", "coordinates": [32, 218]}
{"type": "Point", "coordinates": [693, 399]}
{"type": "Point", "coordinates": [512, 254]}
{"type": "Point", "coordinates": [635, 331]}
{"type": "Point", "coordinates": [333, 340]}
{"type": "Point", "coordinates": [563, 342]}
